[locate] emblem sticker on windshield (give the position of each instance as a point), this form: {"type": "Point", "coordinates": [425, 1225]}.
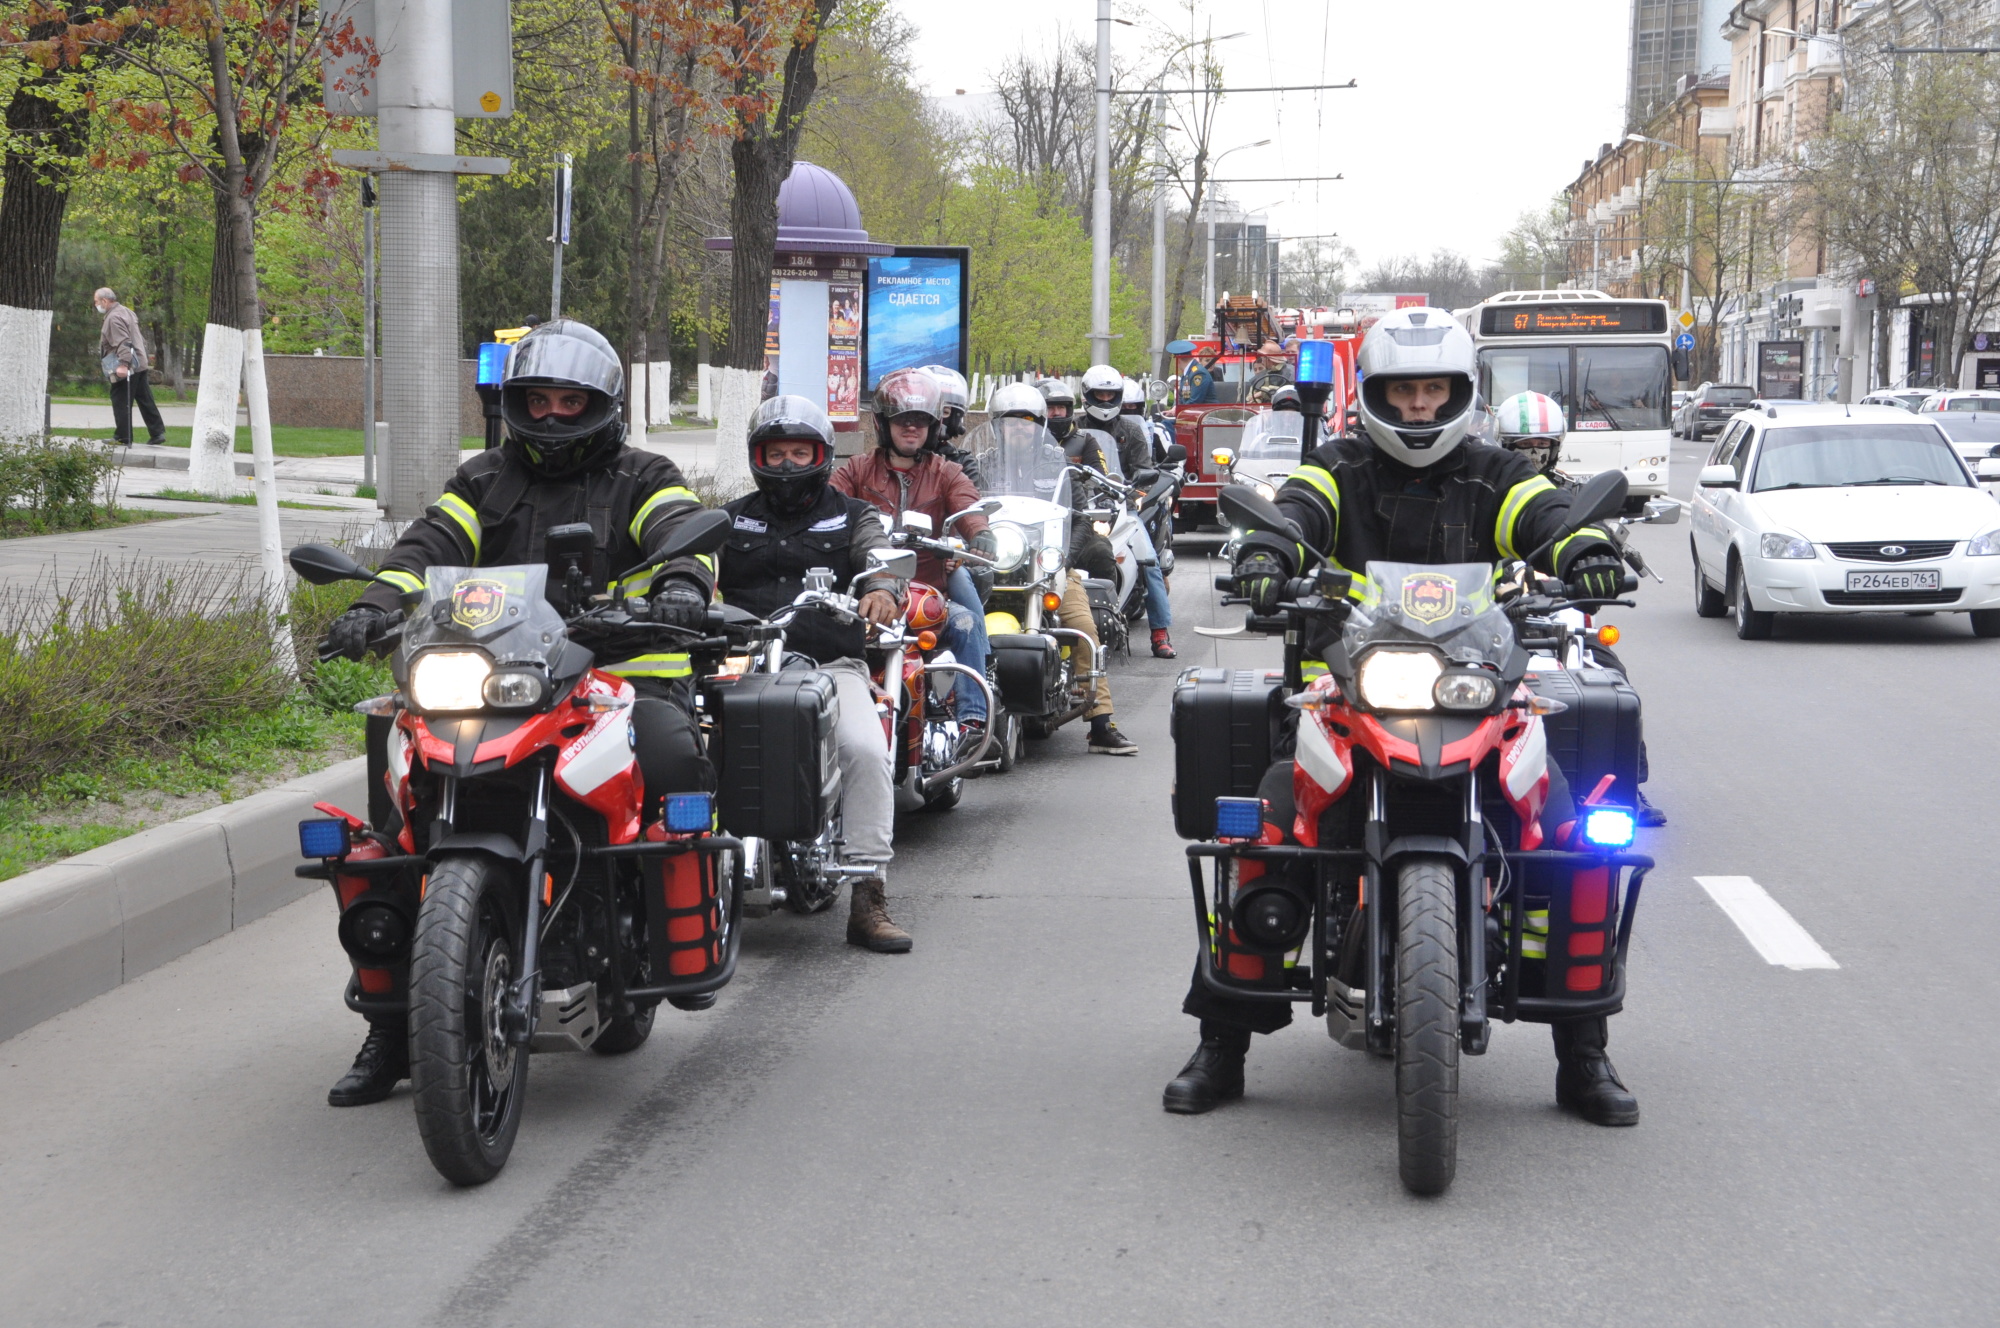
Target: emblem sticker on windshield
{"type": "Point", "coordinates": [1429, 599]}
{"type": "Point", "coordinates": [477, 603]}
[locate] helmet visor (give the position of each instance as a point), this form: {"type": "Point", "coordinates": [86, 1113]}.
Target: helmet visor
{"type": "Point", "coordinates": [567, 361]}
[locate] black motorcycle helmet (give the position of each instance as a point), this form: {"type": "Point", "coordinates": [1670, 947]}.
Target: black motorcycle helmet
{"type": "Point", "coordinates": [790, 487]}
{"type": "Point", "coordinates": [565, 355]}
{"type": "Point", "coordinates": [1286, 398]}
{"type": "Point", "coordinates": [908, 392]}
{"type": "Point", "coordinates": [1062, 407]}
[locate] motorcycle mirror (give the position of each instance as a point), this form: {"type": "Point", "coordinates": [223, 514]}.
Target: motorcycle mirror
{"type": "Point", "coordinates": [984, 507]}
{"type": "Point", "coordinates": [920, 522]}
{"type": "Point", "coordinates": [1602, 495]}
{"type": "Point", "coordinates": [1662, 512]}
{"type": "Point", "coordinates": [1174, 455]}
{"type": "Point", "coordinates": [1249, 510]}
{"type": "Point", "coordinates": [704, 532]}
{"type": "Point", "coordinates": [322, 565]}
{"type": "Point", "coordinates": [899, 563]}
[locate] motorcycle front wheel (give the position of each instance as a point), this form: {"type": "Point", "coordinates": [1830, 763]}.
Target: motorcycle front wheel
{"type": "Point", "coordinates": [1426, 1024]}
{"type": "Point", "coordinates": [468, 1080]}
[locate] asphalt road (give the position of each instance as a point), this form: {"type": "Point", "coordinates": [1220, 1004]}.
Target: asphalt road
{"type": "Point", "coordinates": [971, 1134]}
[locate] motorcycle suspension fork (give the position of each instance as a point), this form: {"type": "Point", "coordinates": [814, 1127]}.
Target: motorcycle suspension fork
{"type": "Point", "coordinates": [1374, 838]}
{"type": "Point", "coordinates": [1473, 1028]}
{"type": "Point", "coordinates": [524, 997]}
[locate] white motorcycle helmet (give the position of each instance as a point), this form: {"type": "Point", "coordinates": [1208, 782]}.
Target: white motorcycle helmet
{"type": "Point", "coordinates": [1103, 392]}
{"type": "Point", "coordinates": [1018, 401]}
{"type": "Point", "coordinates": [1135, 399]}
{"type": "Point", "coordinates": [1531, 424]}
{"type": "Point", "coordinates": [1417, 343]}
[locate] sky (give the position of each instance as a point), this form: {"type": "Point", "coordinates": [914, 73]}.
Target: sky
{"type": "Point", "coordinates": [1468, 112]}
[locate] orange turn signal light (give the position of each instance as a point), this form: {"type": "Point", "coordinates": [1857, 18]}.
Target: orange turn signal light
{"type": "Point", "coordinates": [1051, 601]}
{"type": "Point", "coordinates": [927, 640]}
{"type": "Point", "coordinates": [1608, 635]}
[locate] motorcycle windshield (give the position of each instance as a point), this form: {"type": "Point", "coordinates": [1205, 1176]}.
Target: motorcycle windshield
{"type": "Point", "coordinates": [1019, 459]}
{"type": "Point", "coordinates": [500, 609]}
{"type": "Point", "coordinates": [1447, 605]}
{"type": "Point", "coordinates": [1274, 437]}
{"type": "Point", "coordinates": [1107, 453]}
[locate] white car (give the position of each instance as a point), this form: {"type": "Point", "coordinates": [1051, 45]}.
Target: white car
{"type": "Point", "coordinates": [1839, 509]}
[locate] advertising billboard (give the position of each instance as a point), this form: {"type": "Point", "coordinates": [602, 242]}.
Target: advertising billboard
{"type": "Point", "coordinates": [917, 311]}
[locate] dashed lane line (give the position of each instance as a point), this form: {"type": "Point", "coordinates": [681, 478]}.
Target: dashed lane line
{"type": "Point", "coordinates": [1764, 922]}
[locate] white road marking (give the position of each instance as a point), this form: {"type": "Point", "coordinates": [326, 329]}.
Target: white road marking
{"type": "Point", "coordinates": [1765, 924]}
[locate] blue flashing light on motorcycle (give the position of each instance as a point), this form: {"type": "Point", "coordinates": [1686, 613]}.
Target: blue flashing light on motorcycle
{"type": "Point", "coordinates": [1610, 827]}
{"type": "Point", "coordinates": [492, 362]}
{"type": "Point", "coordinates": [1315, 362]}
{"type": "Point", "coordinates": [1239, 818]}
{"type": "Point", "coordinates": [690, 813]}
{"type": "Point", "coordinates": [324, 839]}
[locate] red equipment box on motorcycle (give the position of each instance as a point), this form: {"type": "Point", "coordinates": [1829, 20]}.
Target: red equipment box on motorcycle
{"type": "Point", "coordinates": [1225, 724]}
{"type": "Point", "coordinates": [779, 775]}
{"type": "Point", "coordinates": [1597, 735]}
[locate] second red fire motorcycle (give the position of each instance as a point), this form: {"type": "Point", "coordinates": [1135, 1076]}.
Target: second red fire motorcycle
{"type": "Point", "coordinates": [1418, 895]}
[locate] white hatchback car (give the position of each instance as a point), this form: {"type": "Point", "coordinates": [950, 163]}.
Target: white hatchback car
{"type": "Point", "coordinates": [1842, 509]}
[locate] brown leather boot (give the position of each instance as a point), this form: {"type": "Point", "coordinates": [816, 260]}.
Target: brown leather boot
{"type": "Point", "coordinates": [868, 923]}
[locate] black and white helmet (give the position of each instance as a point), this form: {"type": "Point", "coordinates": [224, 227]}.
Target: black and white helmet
{"type": "Point", "coordinates": [1103, 392]}
{"type": "Point", "coordinates": [1412, 344]}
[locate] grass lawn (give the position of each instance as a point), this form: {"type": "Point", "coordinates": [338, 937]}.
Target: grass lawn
{"type": "Point", "coordinates": [286, 441]}
{"type": "Point", "coordinates": [21, 527]}
{"type": "Point", "coordinates": [238, 499]}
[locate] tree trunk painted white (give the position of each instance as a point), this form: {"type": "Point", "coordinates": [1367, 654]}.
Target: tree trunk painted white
{"type": "Point", "coordinates": [211, 451]}
{"type": "Point", "coordinates": [635, 396]}
{"type": "Point", "coordinates": [704, 391]}
{"type": "Point", "coordinates": [25, 378]}
{"type": "Point", "coordinates": [659, 393]}
{"type": "Point", "coordinates": [264, 478]}
{"type": "Point", "coordinates": [737, 393]}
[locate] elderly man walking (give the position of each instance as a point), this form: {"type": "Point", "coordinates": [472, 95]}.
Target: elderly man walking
{"type": "Point", "coordinates": [122, 349]}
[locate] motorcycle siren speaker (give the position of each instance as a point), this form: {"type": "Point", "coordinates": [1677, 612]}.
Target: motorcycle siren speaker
{"type": "Point", "coordinates": [1272, 915]}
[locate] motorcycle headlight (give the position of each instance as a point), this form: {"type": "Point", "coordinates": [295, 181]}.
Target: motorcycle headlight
{"type": "Point", "coordinates": [1102, 527]}
{"type": "Point", "coordinates": [1399, 679]}
{"type": "Point", "coordinates": [1984, 546]}
{"type": "Point", "coordinates": [1010, 546]}
{"type": "Point", "coordinates": [512, 689]}
{"type": "Point", "coordinates": [1778, 544]}
{"type": "Point", "coordinates": [1050, 559]}
{"type": "Point", "coordinates": [449, 680]}
{"type": "Point", "coordinates": [1264, 491]}
{"type": "Point", "coordinates": [1465, 691]}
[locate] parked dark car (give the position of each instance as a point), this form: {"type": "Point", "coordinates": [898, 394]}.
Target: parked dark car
{"type": "Point", "coordinates": [1710, 408]}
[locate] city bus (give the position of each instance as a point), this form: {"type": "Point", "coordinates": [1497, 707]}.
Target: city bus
{"type": "Point", "coordinates": [1609, 362]}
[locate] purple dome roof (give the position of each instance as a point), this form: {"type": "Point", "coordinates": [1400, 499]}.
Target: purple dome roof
{"type": "Point", "coordinates": [817, 214]}
{"type": "Point", "coordinates": [815, 204]}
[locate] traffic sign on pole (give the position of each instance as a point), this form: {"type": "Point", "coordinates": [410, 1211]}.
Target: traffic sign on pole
{"type": "Point", "coordinates": [1687, 318]}
{"type": "Point", "coordinates": [1685, 341]}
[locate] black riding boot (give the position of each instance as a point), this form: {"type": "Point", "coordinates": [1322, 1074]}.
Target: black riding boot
{"type": "Point", "coordinates": [1586, 1083]}
{"type": "Point", "coordinates": [1213, 1074]}
{"type": "Point", "coordinates": [384, 1062]}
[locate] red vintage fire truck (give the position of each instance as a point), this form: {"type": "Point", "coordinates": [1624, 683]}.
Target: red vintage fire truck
{"type": "Point", "coordinates": [1225, 378]}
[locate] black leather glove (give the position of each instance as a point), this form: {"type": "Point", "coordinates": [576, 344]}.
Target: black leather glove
{"type": "Point", "coordinates": [349, 635]}
{"type": "Point", "coordinates": [1596, 576]}
{"type": "Point", "coordinates": [1261, 577]}
{"type": "Point", "coordinates": [680, 603]}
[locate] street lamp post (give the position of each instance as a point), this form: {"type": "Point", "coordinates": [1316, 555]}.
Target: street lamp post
{"type": "Point", "coordinates": [1100, 204]}
{"type": "Point", "coordinates": [1157, 349]}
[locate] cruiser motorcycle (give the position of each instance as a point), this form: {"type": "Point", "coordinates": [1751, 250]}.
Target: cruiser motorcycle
{"type": "Point", "coordinates": [515, 902]}
{"type": "Point", "coordinates": [1419, 893]}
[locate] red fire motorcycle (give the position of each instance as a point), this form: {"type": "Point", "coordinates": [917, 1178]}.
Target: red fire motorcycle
{"type": "Point", "coordinates": [513, 902]}
{"type": "Point", "coordinates": [1416, 896]}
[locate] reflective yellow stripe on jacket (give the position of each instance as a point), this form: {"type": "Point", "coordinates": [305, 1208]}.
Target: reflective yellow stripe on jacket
{"type": "Point", "coordinates": [464, 515]}
{"type": "Point", "coordinates": [676, 494]}
{"type": "Point", "coordinates": [652, 666]}
{"type": "Point", "coordinates": [407, 582]}
{"type": "Point", "coordinates": [1517, 502]}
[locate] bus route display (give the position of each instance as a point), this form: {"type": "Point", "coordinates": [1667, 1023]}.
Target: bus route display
{"type": "Point", "coordinates": [1597, 318]}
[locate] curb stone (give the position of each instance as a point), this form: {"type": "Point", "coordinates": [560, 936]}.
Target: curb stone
{"type": "Point", "coordinates": [77, 928]}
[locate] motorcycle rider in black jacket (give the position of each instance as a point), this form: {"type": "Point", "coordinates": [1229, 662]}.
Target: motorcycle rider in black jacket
{"type": "Point", "coordinates": [1411, 489]}
{"type": "Point", "coordinates": [565, 460]}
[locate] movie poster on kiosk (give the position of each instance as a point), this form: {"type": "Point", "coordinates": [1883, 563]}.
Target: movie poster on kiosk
{"type": "Point", "coordinates": [843, 351]}
{"type": "Point", "coordinates": [916, 311]}
{"type": "Point", "coordinates": [771, 345]}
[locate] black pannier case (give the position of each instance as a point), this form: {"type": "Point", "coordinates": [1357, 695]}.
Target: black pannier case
{"type": "Point", "coordinates": [1597, 735]}
{"type": "Point", "coordinates": [1225, 723]}
{"type": "Point", "coordinates": [779, 777]}
{"type": "Point", "coordinates": [1026, 667]}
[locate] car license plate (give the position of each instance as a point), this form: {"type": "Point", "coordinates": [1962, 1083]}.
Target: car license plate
{"type": "Point", "coordinates": [1915, 580]}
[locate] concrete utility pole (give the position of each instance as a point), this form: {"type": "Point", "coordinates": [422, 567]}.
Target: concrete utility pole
{"type": "Point", "coordinates": [368, 412]}
{"type": "Point", "coordinates": [420, 333]}
{"type": "Point", "coordinates": [1156, 341]}
{"type": "Point", "coordinates": [1100, 201]}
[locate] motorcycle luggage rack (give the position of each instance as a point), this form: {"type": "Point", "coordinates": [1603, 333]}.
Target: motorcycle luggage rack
{"type": "Point", "coordinates": [707, 844]}
{"type": "Point", "coordinates": [1512, 1006]}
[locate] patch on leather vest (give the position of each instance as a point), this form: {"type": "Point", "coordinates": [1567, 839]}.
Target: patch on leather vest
{"type": "Point", "coordinates": [751, 523]}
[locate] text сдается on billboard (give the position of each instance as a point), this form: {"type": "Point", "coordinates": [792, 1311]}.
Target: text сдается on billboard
{"type": "Point", "coordinates": [915, 313]}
